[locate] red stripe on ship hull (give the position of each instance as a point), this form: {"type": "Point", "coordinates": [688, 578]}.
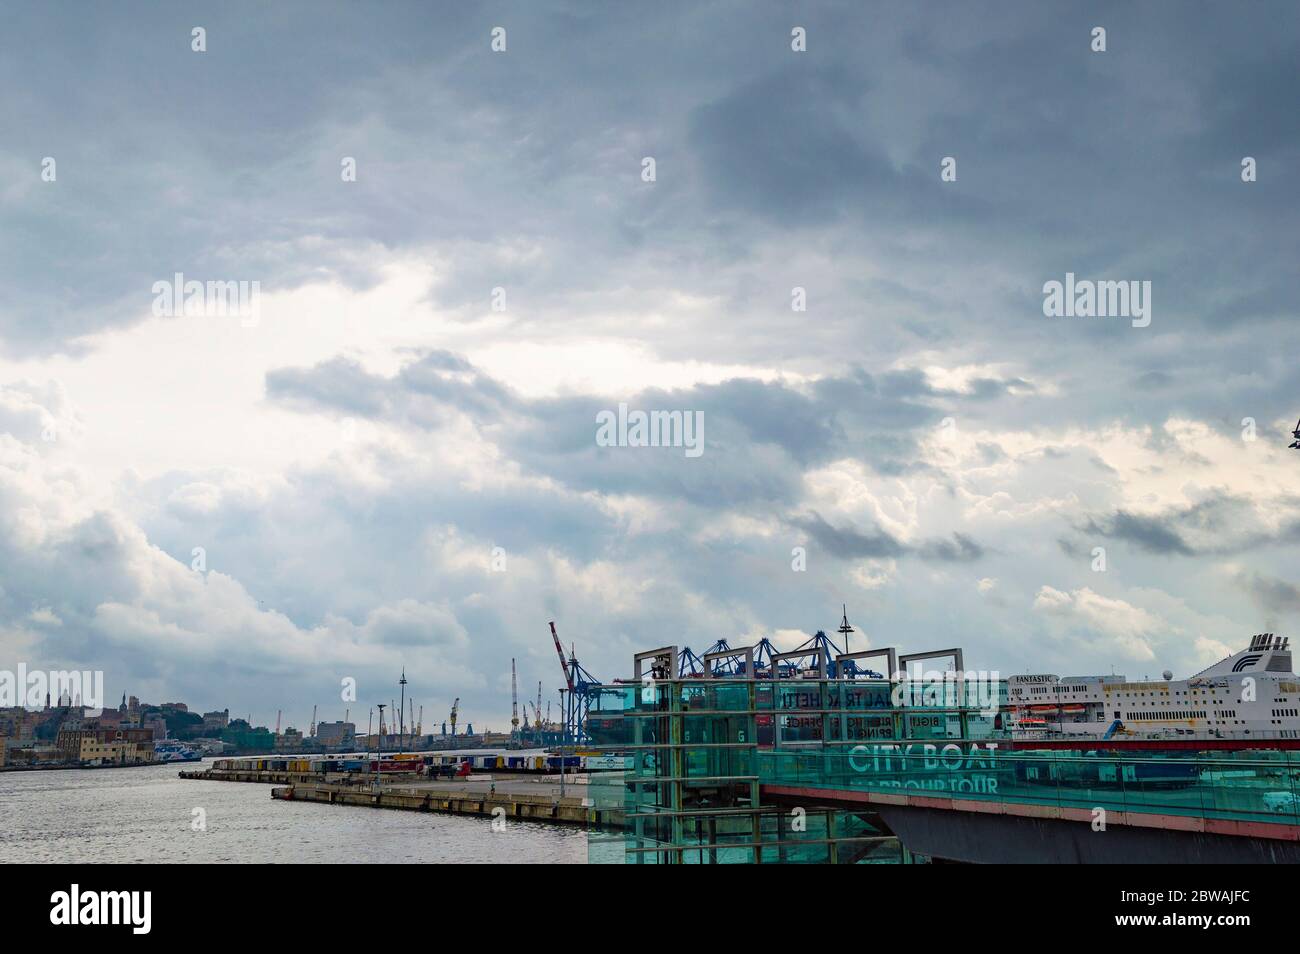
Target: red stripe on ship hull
{"type": "Point", "coordinates": [1120, 745]}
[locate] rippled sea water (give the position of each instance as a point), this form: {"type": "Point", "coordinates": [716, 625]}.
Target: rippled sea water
{"type": "Point", "coordinates": [145, 815]}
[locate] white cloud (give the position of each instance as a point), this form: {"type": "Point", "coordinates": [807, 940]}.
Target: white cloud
{"type": "Point", "coordinates": [1101, 620]}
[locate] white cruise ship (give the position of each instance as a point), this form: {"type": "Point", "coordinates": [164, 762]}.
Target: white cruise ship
{"type": "Point", "coordinates": [1253, 694]}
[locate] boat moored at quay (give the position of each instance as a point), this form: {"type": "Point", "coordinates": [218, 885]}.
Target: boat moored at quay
{"type": "Point", "coordinates": [1251, 696]}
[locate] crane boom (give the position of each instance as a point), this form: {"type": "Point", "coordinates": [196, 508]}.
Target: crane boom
{"type": "Point", "coordinates": [514, 697]}
{"type": "Point", "coordinates": [564, 664]}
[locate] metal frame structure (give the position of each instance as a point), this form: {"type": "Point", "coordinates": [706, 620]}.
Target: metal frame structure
{"type": "Point", "coordinates": [959, 669]}
{"type": "Point", "coordinates": [889, 652]}
{"type": "Point", "coordinates": [953, 654]}
{"type": "Point", "coordinates": [747, 672]}
{"type": "Point", "coordinates": [801, 653]}
{"type": "Point", "coordinates": [764, 650]}
{"type": "Point", "coordinates": [692, 785]}
{"type": "Point", "coordinates": [689, 664]}
{"type": "Point", "coordinates": [666, 652]}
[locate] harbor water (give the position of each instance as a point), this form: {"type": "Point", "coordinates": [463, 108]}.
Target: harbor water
{"type": "Point", "coordinates": [149, 815]}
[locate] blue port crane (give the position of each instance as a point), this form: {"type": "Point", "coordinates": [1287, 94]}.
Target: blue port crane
{"type": "Point", "coordinates": [689, 664]}
{"type": "Point", "coordinates": [764, 650]}
{"type": "Point", "coordinates": [579, 684]}
{"type": "Point", "coordinates": [821, 647]}
{"type": "Point", "coordinates": [721, 667]}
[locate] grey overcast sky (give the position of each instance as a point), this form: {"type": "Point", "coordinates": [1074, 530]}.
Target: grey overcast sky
{"type": "Point", "coordinates": [948, 457]}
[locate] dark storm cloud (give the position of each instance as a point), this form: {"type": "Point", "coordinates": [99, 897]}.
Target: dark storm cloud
{"type": "Point", "coordinates": [960, 549]}
{"type": "Point", "coordinates": [1221, 524]}
{"type": "Point", "coordinates": [1123, 162]}
{"type": "Point", "coordinates": [1151, 534]}
{"type": "Point", "coordinates": [425, 392]}
{"type": "Point", "coordinates": [759, 437]}
{"type": "Point", "coordinates": [848, 542]}
{"type": "Point", "coordinates": [786, 148]}
{"type": "Point", "coordinates": [338, 384]}
{"type": "Point", "coordinates": [1271, 594]}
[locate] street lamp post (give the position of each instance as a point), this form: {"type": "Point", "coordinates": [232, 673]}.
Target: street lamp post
{"type": "Point", "coordinates": [564, 738]}
{"type": "Point", "coordinates": [401, 715]}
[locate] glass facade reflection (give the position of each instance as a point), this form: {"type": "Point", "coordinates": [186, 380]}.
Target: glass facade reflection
{"type": "Point", "coordinates": [729, 770]}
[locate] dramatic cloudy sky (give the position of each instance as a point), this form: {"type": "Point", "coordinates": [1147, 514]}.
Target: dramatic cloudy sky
{"type": "Point", "coordinates": [948, 457]}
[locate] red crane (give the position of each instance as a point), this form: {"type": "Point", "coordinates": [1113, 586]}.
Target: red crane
{"type": "Point", "coordinates": [559, 651]}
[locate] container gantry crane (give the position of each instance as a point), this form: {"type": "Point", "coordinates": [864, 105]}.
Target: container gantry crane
{"type": "Point", "coordinates": [578, 684]}
{"type": "Point", "coordinates": [689, 664]}
{"type": "Point", "coordinates": [514, 700]}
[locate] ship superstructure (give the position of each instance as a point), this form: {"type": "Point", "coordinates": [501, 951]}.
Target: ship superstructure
{"type": "Point", "coordinates": [1252, 694]}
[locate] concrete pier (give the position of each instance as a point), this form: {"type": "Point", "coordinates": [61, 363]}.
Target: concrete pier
{"type": "Point", "coordinates": [274, 778]}
{"type": "Point", "coordinates": [458, 800]}
{"type": "Point", "coordinates": [522, 798]}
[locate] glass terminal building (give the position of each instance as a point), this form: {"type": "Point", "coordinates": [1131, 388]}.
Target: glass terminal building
{"type": "Point", "coordinates": [733, 765]}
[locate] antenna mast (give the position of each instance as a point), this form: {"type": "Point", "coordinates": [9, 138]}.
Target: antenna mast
{"type": "Point", "coordinates": [401, 711]}
{"type": "Point", "coordinates": [845, 628]}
